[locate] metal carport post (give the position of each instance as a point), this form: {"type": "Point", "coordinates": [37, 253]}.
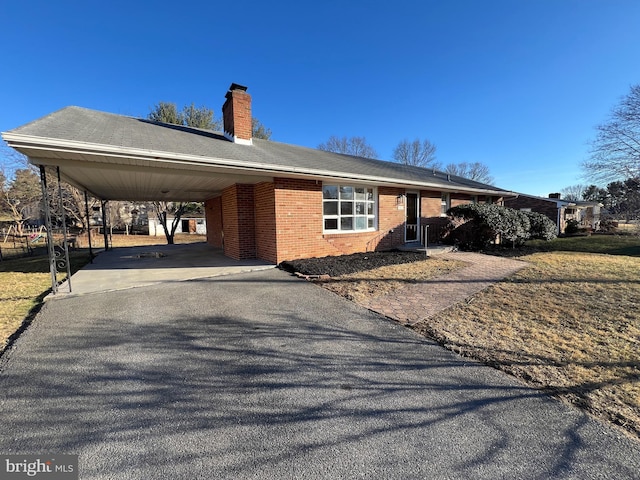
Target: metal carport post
{"type": "Point", "coordinates": [54, 259]}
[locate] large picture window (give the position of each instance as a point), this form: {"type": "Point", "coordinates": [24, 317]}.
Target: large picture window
{"type": "Point", "coordinates": [348, 208]}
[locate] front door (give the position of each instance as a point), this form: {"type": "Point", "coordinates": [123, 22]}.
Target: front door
{"type": "Point", "coordinates": [412, 220]}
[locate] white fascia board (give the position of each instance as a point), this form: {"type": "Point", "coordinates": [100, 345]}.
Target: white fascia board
{"type": "Point", "coordinates": [17, 140]}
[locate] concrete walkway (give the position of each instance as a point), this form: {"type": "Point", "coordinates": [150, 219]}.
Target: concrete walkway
{"type": "Point", "coordinates": [418, 302]}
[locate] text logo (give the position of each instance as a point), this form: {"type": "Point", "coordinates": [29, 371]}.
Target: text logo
{"type": "Point", "coordinates": [49, 467]}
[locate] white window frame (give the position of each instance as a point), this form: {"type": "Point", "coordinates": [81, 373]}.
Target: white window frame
{"type": "Point", "coordinates": [342, 189]}
{"type": "Point", "coordinates": [445, 203]}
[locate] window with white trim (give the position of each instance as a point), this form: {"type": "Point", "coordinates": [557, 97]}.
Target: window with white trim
{"type": "Point", "coordinates": [348, 208]}
{"type": "Point", "coordinates": [445, 203]}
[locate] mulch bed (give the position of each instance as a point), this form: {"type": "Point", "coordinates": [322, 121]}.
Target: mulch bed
{"type": "Point", "coordinates": [345, 264]}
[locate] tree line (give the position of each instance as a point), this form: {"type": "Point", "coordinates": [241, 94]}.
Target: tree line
{"type": "Point", "coordinates": [614, 162]}
{"type": "Point", "coordinates": [417, 153]}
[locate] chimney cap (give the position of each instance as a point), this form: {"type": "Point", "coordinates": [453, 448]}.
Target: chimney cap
{"type": "Point", "coordinates": [237, 86]}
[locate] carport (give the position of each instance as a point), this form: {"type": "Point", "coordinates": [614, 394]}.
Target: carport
{"type": "Point", "coordinates": [101, 155]}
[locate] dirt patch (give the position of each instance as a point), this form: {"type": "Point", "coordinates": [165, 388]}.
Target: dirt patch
{"type": "Point", "coordinates": [348, 264]}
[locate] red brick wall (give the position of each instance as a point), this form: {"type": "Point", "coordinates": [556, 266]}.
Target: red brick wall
{"type": "Point", "coordinates": [298, 210]}
{"type": "Point", "coordinates": [213, 215]}
{"type": "Point", "coordinates": [460, 199]}
{"type": "Point", "coordinates": [238, 216]}
{"type": "Point", "coordinates": [538, 205]}
{"type": "Point", "coordinates": [299, 228]}
{"type": "Point", "coordinates": [390, 217]}
{"type": "Point", "coordinates": [283, 221]}
{"type": "Point", "coordinates": [430, 208]}
{"type": "Point", "coordinates": [265, 213]}
{"type": "Point", "coordinates": [430, 204]}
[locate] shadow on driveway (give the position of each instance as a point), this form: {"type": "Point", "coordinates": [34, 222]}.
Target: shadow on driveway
{"type": "Point", "coordinates": [262, 375]}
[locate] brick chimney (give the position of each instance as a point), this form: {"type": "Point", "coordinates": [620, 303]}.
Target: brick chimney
{"type": "Point", "coordinates": [236, 115]}
{"type": "Point", "coordinates": [555, 196]}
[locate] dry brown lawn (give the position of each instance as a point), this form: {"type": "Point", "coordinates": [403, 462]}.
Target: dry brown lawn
{"type": "Point", "coordinates": [569, 324]}
{"type": "Point", "coordinates": [372, 283]}
{"type": "Point", "coordinates": [24, 284]}
{"type": "Point", "coordinates": [144, 240]}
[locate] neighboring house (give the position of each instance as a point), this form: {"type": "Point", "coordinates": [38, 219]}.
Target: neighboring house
{"type": "Point", "coordinates": [191, 225]}
{"type": "Point", "coordinates": [587, 214]}
{"type": "Point", "coordinates": [263, 199]}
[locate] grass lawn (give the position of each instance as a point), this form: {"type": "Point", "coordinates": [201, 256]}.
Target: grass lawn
{"type": "Point", "coordinates": [569, 323]}
{"type": "Point", "coordinates": [26, 281]}
{"type": "Point", "coordinates": [608, 244]}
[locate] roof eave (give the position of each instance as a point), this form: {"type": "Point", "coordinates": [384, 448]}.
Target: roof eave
{"type": "Point", "coordinates": [21, 141]}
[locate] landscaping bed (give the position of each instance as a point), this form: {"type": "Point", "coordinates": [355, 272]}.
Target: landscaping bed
{"type": "Point", "coordinates": [347, 264]}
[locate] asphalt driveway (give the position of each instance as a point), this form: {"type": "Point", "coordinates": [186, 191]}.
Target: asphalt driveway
{"type": "Point", "coordinates": [262, 375]}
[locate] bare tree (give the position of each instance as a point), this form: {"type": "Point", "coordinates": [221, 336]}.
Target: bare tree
{"type": "Point", "coordinates": [356, 146]}
{"type": "Point", "coordinates": [72, 203]}
{"type": "Point", "coordinates": [20, 197]}
{"type": "Point", "coordinates": [573, 193]}
{"type": "Point", "coordinates": [417, 153]}
{"type": "Point", "coordinates": [475, 171]}
{"type": "Point", "coordinates": [615, 153]}
{"type": "Point", "coordinates": [163, 210]}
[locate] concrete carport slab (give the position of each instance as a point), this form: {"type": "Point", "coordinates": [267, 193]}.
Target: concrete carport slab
{"type": "Point", "coordinates": [130, 267]}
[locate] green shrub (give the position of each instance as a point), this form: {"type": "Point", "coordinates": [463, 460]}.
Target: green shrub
{"type": "Point", "coordinates": [572, 227]}
{"type": "Point", "coordinates": [468, 229]}
{"type": "Point", "coordinates": [542, 227]}
{"type": "Point", "coordinates": [478, 225]}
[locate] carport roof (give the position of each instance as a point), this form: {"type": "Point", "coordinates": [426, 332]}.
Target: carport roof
{"type": "Point", "coordinates": [117, 157]}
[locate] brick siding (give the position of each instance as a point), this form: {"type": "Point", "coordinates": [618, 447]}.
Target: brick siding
{"type": "Point", "coordinates": [282, 220]}
{"type": "Point", "coordinates": [539, 205]}
{"type": "Point", "coordinates": [265, 214]}
{"type": "Point", "coordinates": [213, 215]}
{"type": "Point", "coordinates": [238, 217]}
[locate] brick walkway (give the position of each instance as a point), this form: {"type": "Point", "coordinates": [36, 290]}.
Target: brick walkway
{"type": "Point", "coordinates": [418, 302]}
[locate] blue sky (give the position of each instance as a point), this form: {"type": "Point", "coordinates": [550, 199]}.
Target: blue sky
{"type": "Point", "coordinates": [518, 85]}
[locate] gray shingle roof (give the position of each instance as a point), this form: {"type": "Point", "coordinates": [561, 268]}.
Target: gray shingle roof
{"type": "Point", "coordinates": [95, 128]}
